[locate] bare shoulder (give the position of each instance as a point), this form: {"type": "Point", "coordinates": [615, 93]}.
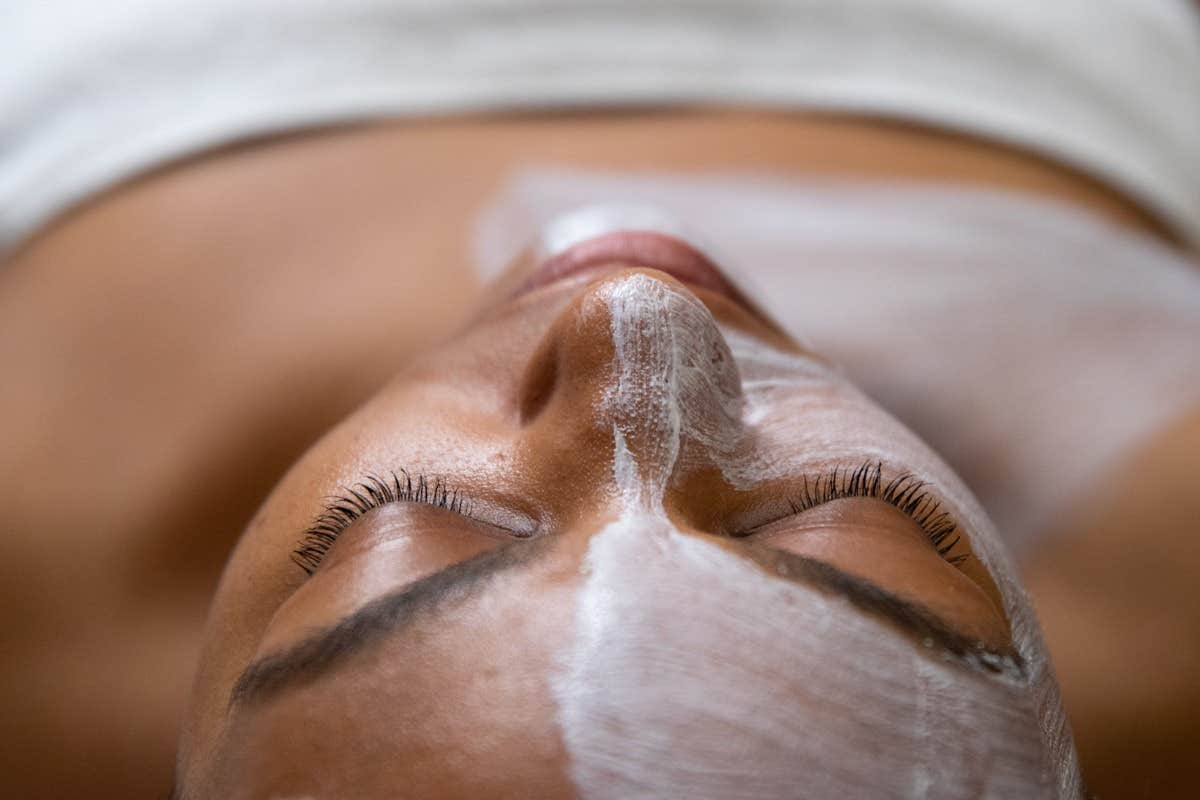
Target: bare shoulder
{"type": "Point", "coordinates": [1117, 590]}
{"type": "Point", "coordinates": [168, 351]}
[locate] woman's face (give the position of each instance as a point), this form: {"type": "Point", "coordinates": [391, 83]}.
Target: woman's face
{"type": "Point", "coordinates": [622, 536]}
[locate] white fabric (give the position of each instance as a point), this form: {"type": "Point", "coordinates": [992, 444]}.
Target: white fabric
{"type": "Point", "coordinates": [1030, 344]}
{"type": "Point", "coordinates": [94, 93]}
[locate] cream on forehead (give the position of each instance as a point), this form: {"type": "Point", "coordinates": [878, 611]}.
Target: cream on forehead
{"type": "Point", "coordinates": [677, 395]}
{"type": "Point", "coordinates": [841, 425]}
{"type": "Point", "coordinates": [695, 676]}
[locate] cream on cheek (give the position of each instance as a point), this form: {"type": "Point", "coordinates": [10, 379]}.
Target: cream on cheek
{"type": "Point", "coordinates": [694, 674]}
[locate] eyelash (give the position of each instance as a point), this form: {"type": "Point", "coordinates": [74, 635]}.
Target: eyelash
{"type": "Point", "coordinates": [905, 492]}
{"type": "Point", "coordinates": [373, 492]}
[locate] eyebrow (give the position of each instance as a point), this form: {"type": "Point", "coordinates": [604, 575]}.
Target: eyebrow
{"type": "Point", "coordinates": [913, 618]}
{"type": "Point", "coordinates": [326, 649]}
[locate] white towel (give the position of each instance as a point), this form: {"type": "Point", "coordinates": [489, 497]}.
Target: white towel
{"type": "Point", "coordinates": [93, 93]}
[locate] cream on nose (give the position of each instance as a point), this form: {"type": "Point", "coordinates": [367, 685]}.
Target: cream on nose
{"type": "Point", "coordinates": [674, 395]}
{"type": "Point", "coordinates": [633, 378]}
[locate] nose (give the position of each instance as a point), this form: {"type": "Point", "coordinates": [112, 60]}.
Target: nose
{"type": "Point", "coordinates": [636, 365]}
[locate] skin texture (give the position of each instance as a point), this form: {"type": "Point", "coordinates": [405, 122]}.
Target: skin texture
{"type": "Point", "coordinates": [523, 414]}
{"type": "Point", "coordinates": [184, 338]}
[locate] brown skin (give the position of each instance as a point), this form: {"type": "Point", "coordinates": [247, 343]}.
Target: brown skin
{"type": "Point", "coordinates": [1116, 593]}
{"type": "Point", "coordinates": [422, 715]}
{"type": "Point", "coordinates": [163, 333]}
{"type": "Point", "coordinates": [459, 704]}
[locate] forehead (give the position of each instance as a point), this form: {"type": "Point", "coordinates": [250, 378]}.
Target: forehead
{"type": "Point", "coordinates": [456, 704]}
{"type": "Point", "coordinates": [547, 673]}
{"type": "Point", "coordinates": [692, 671]}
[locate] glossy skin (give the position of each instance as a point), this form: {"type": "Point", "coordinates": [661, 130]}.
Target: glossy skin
{"type": "Point", "coordinates": [510, 414]}
{"type": "Point", "coordinates": [140, 437]}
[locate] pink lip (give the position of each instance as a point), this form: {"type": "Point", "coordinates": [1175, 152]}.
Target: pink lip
{"type": "Point", "coordinates": [624, 249]}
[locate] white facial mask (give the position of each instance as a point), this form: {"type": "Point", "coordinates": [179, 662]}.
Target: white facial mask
{"type": "Point", "coordinates": [695, 674]}
{"type": "Point", "coordinates": [676, 392]}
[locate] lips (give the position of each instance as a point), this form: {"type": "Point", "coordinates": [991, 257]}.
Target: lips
{"type": "Point", "coordinates": [633, 249]}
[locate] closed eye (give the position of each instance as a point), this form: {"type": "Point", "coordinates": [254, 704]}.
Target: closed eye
{"type": "Point", "coordinates": [372, 492]}
{"type": "Point", "coordinates": [905, 492]}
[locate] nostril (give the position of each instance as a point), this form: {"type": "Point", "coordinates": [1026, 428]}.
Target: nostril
{"type": "Point", "coordinates": [539, 381]}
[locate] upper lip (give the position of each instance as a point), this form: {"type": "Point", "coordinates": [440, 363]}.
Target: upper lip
{"type": "Point", "coordinates": [633, 249]}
